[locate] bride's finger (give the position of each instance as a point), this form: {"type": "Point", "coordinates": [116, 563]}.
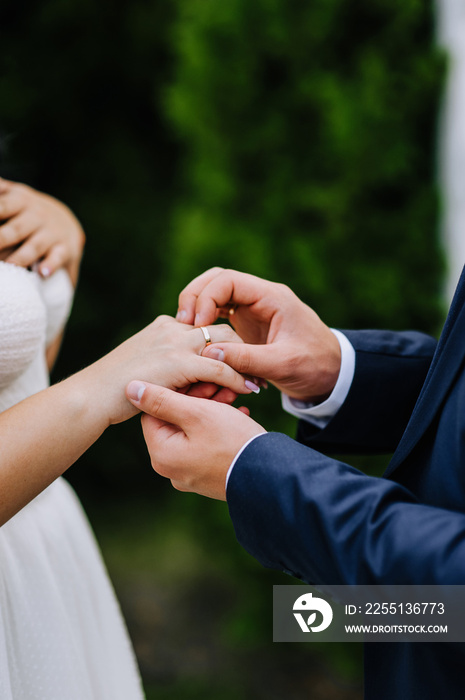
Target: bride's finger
{"type": "Point", "coordinates": [216, 372]}
{"type": "Point", "coordinates": [213, 392]}
{"type": "Point", "coordinates": [18, 228]}
{"type": "Point", "coordinates": [225, 396]}
{"type": "Point", "coordinates": [57, 256]}
{"type": "Point", "coordinates": [11, 203]}
{"type": "Point", "coordinates": [206, 335]}
{"type": "Point", "coordinates": [32, 250]}
{"type": "Point", "coordinates": [6, 252]}
{"type": "Point", "coordinates": [184, 389]}
{"type": "Point", "coordinates": [4, 185]}
{"type": "Point", "coordinates": [203, 390]}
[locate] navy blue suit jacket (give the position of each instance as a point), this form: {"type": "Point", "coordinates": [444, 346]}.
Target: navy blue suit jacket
{"type": "Point", "coordinates": [321, 520]}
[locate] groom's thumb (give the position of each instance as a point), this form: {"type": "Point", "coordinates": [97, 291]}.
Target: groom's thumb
{"type": "Point", "coordinates": [161, 403]}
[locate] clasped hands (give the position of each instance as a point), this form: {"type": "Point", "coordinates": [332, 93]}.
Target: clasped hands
{"type": "Point", "coordinates": [193, 441]}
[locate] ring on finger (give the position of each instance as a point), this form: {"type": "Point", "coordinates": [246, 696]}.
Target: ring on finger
{"type": "Point", "coordinates": [206, 335]}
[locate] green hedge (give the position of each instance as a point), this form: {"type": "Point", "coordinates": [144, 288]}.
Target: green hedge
{"type": "Point", "coordinates": [309, 129]}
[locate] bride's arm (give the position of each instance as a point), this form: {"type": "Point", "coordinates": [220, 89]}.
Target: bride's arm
{"type": "Point", "coordinates": [43, 435]}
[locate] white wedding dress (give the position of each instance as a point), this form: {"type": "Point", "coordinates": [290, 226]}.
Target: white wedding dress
{"type": "Point", "coordinates": [62, 636]}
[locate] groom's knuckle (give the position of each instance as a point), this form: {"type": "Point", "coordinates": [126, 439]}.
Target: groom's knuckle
{"type": "Point", "coordinates": [243, 363]}
{"type": "Point", "coordinates": [162, 320]}
{"type": "Point", "coordinates": [162, 470]}
{"type": "Point", "coordinates": [185, 296]}
{"type": "Point", "coordinates": [161, 465]}
{"type": "Point", "coordinates": [179, 486]}
{"type": "Point", "coordinates": [287, 366]}
{"type": "Point", "coordinates": [156, 403]}
{"type": "Point", "coordinates": [155, 464]}
{"type": "Point", "coordinates": [196, 418]}
{"type": "Point", "coordinates": [282, 289]}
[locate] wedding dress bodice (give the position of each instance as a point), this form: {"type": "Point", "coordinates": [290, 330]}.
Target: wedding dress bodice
{"type": "Point", "coordinates": [32, 313]}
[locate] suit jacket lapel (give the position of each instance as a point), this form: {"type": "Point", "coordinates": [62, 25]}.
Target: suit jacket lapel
{"type": "Point", "coordinates": [445, 365]}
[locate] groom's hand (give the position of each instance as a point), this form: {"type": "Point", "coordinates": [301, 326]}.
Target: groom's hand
{"type": "Point", "coordinates": [284, 339]}
{"type": "Point", "coordinates": [191, 441]}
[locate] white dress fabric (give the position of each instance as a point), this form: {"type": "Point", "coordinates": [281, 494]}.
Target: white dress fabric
{"type": "Point", "coordinates": [62, 636]}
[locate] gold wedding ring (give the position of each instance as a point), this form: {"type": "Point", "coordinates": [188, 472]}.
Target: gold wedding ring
{"type": "Point", "coordinates": [206, 335]}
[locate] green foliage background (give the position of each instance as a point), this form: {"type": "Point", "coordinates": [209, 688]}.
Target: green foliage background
{"type": "Point", "coordinates": [289, 139]}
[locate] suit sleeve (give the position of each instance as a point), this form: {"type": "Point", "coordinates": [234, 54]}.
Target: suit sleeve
{"type": "Point", "coordinates": [322, 521]}
{"type": "Point", "coordinates": [390, 369]}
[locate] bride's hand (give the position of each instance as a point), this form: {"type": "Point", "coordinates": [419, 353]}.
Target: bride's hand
{"type": "Point", "coordinates": [38, 230]}
{"type": "Point", "coordinates": [166, 353]}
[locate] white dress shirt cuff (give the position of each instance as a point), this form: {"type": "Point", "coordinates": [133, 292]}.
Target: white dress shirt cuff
{"type": "Point", "coordinates": [320, 414]}
{"type": "Point", "coordinates": [239, 454]}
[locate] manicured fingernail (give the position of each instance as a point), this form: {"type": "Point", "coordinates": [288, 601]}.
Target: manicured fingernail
{"type": "Point", "coordinates": [45, 271]}
{"type": "Point", "coordinates": [215, 354]}
{"type": "Point", "coordinates": [135, 390]}
{"type": "Point", "coordinates": [253, 387]}
{"type": "Point", "coordinates": [181, 315]}
{"type": "Point", "coordinates": [197, 320]}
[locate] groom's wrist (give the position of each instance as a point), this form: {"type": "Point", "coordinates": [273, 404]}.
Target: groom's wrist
{"type": "Point", "coordinates": [320, 413]}
{"type": "Point", "coordinates": [243, 448]}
